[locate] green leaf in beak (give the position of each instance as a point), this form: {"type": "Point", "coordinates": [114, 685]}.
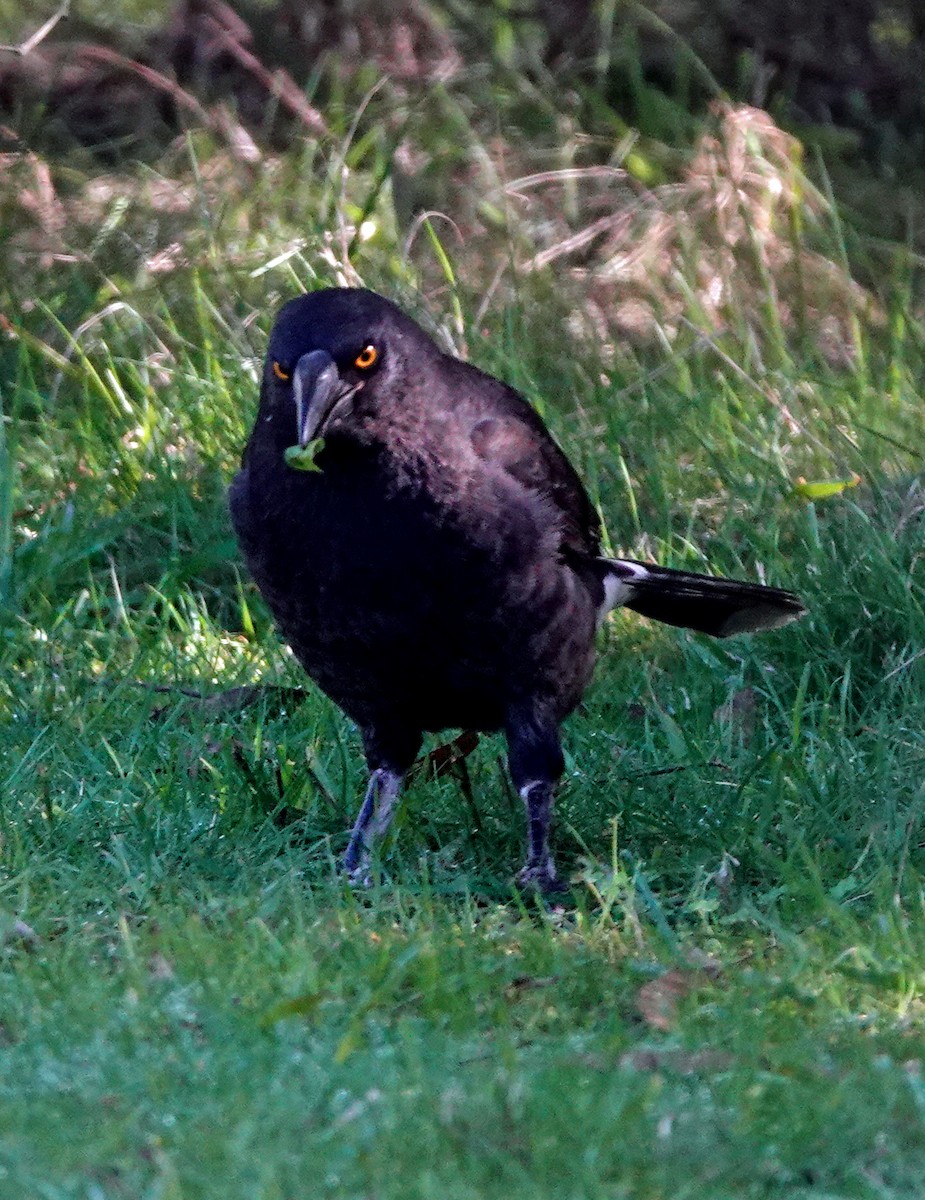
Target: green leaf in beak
{"type": "Point", "coordinates": [302, 458]}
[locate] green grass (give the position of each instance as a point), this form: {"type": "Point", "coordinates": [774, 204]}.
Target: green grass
{"type": "Point", "coordinates": [194, 1005]}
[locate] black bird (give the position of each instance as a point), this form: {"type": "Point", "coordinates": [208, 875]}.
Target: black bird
{"type": "Point", "coordinates": [439, 563]}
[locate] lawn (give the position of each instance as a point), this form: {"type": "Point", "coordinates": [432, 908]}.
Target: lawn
{"type": "Point", "coordinates": [193, 1003]}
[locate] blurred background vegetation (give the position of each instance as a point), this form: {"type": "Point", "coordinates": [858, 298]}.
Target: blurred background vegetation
{"type": "Point", "coordinates": [450, 106]}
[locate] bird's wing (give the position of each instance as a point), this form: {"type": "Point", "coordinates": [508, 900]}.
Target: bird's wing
{"type": "Point", "coordinates": [516, 441]}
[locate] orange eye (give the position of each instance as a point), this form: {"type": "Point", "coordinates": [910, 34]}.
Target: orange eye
{"type": "Point", "coordinates": [365, 359]}
{"type": "Point", "coordinates": [279, 372]}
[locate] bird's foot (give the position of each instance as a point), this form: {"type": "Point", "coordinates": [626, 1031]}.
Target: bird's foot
{"type": "Point", "coordinates": [541, 877]}
{"type": "Point", "coordinates": [358, 869]}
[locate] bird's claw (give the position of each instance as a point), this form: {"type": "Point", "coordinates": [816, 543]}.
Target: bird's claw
{"type": "Point", "coordinates": [359, 873]}
{"type": "Point", "coordinates": [541, 877]}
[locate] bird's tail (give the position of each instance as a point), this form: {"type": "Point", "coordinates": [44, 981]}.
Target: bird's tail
{"type": "Point", "coordinates": [719, 607]}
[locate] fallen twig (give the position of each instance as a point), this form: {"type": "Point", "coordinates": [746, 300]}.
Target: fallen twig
{"type": "Point", "coordinates": [40, 34]}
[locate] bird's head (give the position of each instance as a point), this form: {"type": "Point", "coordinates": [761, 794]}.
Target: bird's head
{"type": "Point", "coordinates": [334, 356]}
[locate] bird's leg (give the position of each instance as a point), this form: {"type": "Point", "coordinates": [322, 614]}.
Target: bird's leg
{"type": "Point", "coordinates": [372, 821]}
{"type": "Point", "coordinates": [536, 763]}
{"type": "Point", "coordinates": [539, 871]}
{"type": "Point", "coordinates": [390, 751]}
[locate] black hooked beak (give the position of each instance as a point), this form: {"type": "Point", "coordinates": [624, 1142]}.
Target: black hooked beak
{"type": "Point", "coordinates": [317, 387]}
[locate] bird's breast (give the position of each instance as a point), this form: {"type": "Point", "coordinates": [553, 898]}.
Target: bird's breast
{"type": "Point", "coordinates": [443, 595]}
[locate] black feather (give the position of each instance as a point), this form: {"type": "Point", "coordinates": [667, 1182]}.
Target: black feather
{"type": "Point", "coordinates": [719, 607]}
{"type": "Point", "coordinates": [442, 566]}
